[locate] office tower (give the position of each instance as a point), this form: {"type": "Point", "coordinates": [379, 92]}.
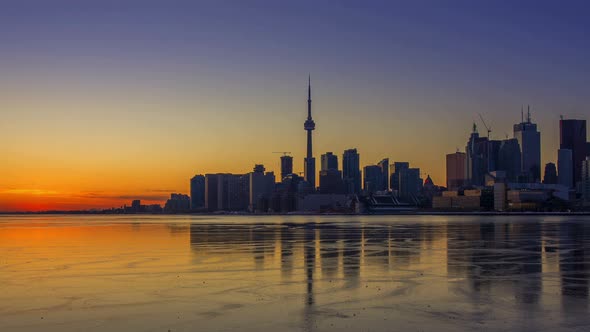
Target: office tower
{"type": "Point", "coordinates": [565, 170]}
{"type": "Point", "coordinates": [476, 158]}
{"type": "Point", "coordinates": [493, 155]}
{"type": "Point", "coordinates": [226, 192]}
{"type": "Point", "coordinates": [351, 173]}
{"type": "Point", "coordinates": [550, 174]}
{"type": "Point", "coordinates": [384, 165]}
{"type": "Point", "coordinates": [178, 203]}
{"type": "Point", "coordinates": [331, 182]}
{"type": "Point", "coordinates": [232, 191]}
{"type": "Point", "coordinates": [456, 170]}
{"type": "Point", "coordinates": [373, 179]}
{"type": "Point", "coordinates": [410, 182]}
{"type": "Point", "coordinates": [585, 174]}
{"type": "Point", "coordinates": [572, 136]}
{"type": "Point", "coordinates": [309, 126]}
{"type": "Point", "coordinates": [509, 159]}
{"type": "Point", "coordinates": [197, 192]}
{"type": "Point", "coordinates": [211, 195]}
{"type": "Point", "coordinates": [529, 139]}
{"type": "Point", "coordinates": [286, 166]}
{"type": "Point", "coordinates": [398, 167]}
{"type": "Point", "coordinates": [329, 161]}
{"type": "Point", "coordinates": [261, 187]}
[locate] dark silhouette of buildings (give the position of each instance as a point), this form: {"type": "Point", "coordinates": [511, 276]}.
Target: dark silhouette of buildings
{"type": "Point", "coordinates": [550, 174]}
{"type": "Point", "coordinates": [410, 183]}
{"type": "Point", "coordinates": [261, 187]}
{"type": "Point", "coordinates": [565, 168]}
{"type": "Point", "coordinates": [509, 159]}
{"type": "Point", "coordinates": [351, 172]}
{"type": "Point", "coordinates": [529, 139]}
{"type": "Point", "coordinates": [331, 182]}
{"type": "Point", "coordinates": [373, 179]}
{"type": "Point", "coordinates": [477, 158]}
{"type": "Point", "coordinates": [398, 167]}
{"type": "Point", "coordinates": [198, 192]}
{"type": "Point", "coordinates": [455, 170]}
{"type": "Point", "coordinates": [286, 166]}
{"type": "Point", "coordinates": [178, 203]}
{"type": "Point", "coordinates": [329, 161]}
{"type": "Point", "coordinates": [384, 165]}
{"type": "Point", "coordinates": [572, 136]}
{"type": "Point", "coordinates": [309, 126]}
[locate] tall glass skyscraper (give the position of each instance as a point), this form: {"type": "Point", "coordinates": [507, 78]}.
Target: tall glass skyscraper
{"type": "Point", "coordinates": [529, 139]}
{"type": "Point", "coordinates": [572, 136]}
{"type": "Point", "coordinates": [351, 172]}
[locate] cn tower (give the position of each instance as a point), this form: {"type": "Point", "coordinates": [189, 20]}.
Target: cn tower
{"type": "Point", "coordinates": [309, 163]}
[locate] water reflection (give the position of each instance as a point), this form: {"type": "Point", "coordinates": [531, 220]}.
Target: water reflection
{"type": "Point", "coordinates": [295, 273]}
{"type": "Point", "coordinates": [494, 263]}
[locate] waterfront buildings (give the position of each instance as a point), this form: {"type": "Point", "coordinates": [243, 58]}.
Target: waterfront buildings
{"type": "Point", "coordinates": [550, 174]}
{"type": "Point", "coordinates": [476, 158]}
{"type": "Point", "coordinates": [397, 169]}
{"type": "Point", "coordinates": [373, 179]}
{"type": "Point", "coordinates": [329, 161]}
{"type": "Point", "coordinates": [585, 181]}
{"type": "Point", "coordinates": [351, 173]}
{"type": "Point", "coordinates": [384, 165]}
{"type": "Point", "coordinates": [261, 187]}
{"type": "Point", "coordinates": [331, 182]}
{"type": "Point", "coordinates": [572, 136]}
{"type": "Point", "coordinates": [455, 170]}
{"type": "Point", "coordinates": [529, 139]}
{"type": "Point", "coordinates": [178, 203]}
{"type": "Point", "coordinates": [197, 192]}
{"type": "Point", "coordinates": [286, 166]}
{"type": "Point", "coordinates": [565, 169]}
{"type": "Point", "coordinates": [509, 159]}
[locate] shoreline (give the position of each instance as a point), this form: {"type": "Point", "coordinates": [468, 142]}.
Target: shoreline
{"type": "Point", "coordinates": [412, 213]}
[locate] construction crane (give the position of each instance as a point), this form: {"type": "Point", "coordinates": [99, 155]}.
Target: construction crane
{"type": "Point", "coordinates": [283, 152]}
{"type": "Point", "coordinates": [485, 125]}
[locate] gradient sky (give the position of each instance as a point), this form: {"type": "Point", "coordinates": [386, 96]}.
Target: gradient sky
{"type": "Point", "coordinates": [105, 101]}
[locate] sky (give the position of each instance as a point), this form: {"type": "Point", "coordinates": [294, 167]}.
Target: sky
{"type": "Point", "coordinates": [105, 101]}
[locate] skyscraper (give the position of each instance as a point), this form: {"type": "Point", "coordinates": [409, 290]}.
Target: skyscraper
{"type": "Point", "coordinates": [286, 166]}
{"type": "Point", "coordinates": [455, 170]}
{"type": "Point", "coordinates": [565, 170]}
{"type": "Point", "coordinates": [373, 178]}
{"type": "Point", "coordinates": [329, 161]}
{"type": "Point", "coordinates": [410, 182]}
{"type": "Point", "coordinates": [384, 165]}
{"type": "Point", "coordinates": [398, 167]}
{"type": "Point", "coordinates": [351, 173]}
{"type": "Point", "coordinates": [585, 180]}
{"type": "Point", "coordinates": [529, 139]}
{"type": "Point", "coordinates": [197, 192]}
{"type": "Point", "coordinates": [550, 174]}
{"type": "Point", "coordinates": [331, 182]}
{"type": "Point", "coordinates": [309, 126]}
{"type": "Point", "coordinates": [476, 158]}
{"type": "Point", "coordinates": [572, 136]}
{"type": "Point", "coordinates": [509, 159]}
{"type": "Point", "coordinates": [261, 186]}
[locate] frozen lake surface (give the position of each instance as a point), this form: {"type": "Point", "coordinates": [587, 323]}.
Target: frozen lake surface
{"type": "Point", "coordinates": [294, 273]}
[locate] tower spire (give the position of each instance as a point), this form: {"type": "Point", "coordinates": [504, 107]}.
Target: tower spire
{"type": "Point", "coordinates": [309, 126]}
{"type": "Point", "coordinates": [309, 97]}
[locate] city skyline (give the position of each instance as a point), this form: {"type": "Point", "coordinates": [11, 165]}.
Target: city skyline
{"type": "Point", "coordinates": [94, 127]}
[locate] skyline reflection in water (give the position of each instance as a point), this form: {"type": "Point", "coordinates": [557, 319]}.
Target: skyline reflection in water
{"type": "Point", "coordinates": [295, 273]}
